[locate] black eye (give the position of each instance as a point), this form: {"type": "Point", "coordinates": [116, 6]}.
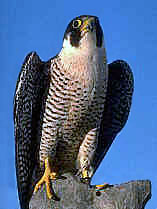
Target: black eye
{"type": "Point", "coordinates": [77, 23]}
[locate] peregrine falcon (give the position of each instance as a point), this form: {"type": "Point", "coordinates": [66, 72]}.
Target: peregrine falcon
{"type": "Point", "coordinates": [68, 110]}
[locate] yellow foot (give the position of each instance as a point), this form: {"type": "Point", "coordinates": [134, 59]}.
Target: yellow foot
{"type": "Point", "coordinates": [102, 186]}
{"type": "Point", "coordinates": [48, 175]}
{"type": "Point", "coordinates": [85, 174]}
{"type": "Point", "coordinates": [85, 177]}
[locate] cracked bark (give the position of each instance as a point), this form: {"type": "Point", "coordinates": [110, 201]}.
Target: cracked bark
{"type": "Point", "coordinates": [76, 195]}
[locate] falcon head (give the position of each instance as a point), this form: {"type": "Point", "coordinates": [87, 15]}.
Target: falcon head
{"type": "Point", "coordinates": [83, 32]}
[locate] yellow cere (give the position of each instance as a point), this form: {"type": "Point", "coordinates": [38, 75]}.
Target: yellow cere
{"type": "Point", "coordinates": [84, 26]}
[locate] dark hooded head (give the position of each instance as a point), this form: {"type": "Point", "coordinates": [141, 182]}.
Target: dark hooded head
{"type": "Point", "coordinates": [84, 27]}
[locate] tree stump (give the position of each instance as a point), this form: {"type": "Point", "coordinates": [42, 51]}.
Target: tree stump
{"type": "Point", "coordinates": [74, 194]}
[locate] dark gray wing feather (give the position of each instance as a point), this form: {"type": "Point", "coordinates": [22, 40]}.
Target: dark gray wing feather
{"type": "Point", "coordinates": [29, 93]}
{"type": "Point", "coordinates": [116, 108]}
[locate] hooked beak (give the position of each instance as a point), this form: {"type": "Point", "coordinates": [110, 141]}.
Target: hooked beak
{"type": "Point", "coordinates": [88, 25]}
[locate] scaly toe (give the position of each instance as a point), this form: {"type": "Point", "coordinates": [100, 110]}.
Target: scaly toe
{"type": "Point", "coordinates": [85, 177]}
{"type": "Point", "coordinates": [53, 175]}
{"type": "Point", "coordinates": [102, 186]}
{"type": "Point", "coordinates": [48, 175]}
{"type": "Point", "coordinates": [85, 174]}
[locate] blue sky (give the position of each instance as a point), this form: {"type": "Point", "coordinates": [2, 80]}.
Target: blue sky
{"type": "Point", "coordinates": [130, 30]}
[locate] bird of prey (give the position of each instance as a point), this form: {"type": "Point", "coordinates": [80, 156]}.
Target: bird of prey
{"type": "Point", "coordinates": [68, 110]}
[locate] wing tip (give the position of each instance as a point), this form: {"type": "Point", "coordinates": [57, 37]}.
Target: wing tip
{"type": "Point", "coordinates": [121, 66]}
{"type": "Point", "coordinates": [121, 63]}
{"type": "Point", "coordinates": [31, 56]}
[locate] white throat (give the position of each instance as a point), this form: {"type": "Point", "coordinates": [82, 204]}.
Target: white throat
{"type": "Point", "coordinates": [86, 50]}
{"type": "Point", "coordinates": [86, 62]}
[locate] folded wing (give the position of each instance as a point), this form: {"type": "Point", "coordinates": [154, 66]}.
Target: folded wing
{"type": "Point", "coordinates": [28, 101]}
{"type": "Point", "coordinates": [116, 108]}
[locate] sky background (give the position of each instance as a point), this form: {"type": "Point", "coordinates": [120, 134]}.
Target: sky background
{"type": "Point", "coordinates": [130, 30]}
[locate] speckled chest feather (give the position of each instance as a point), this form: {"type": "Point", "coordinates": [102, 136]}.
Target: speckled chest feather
{"type": "Point", "coordinates": [74, 105]}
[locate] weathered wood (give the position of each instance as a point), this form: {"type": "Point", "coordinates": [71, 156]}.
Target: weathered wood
{"type": "Point", "coordinates": [76, 195]}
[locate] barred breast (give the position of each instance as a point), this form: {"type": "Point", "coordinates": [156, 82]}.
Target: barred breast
{"type": "Point", "coordinates": [74, 105]}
